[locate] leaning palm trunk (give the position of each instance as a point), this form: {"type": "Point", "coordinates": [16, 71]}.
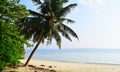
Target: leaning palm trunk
{"type": "Point", "coordinates": [33, 51]}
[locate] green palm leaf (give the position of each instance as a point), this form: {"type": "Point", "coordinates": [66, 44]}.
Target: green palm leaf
{"type": "Point", "coordinates": [67, 20]}
{"type": "Point", "coordinates": [69, 30]}
{"type": "Point", "coordinates": [37, 2]}
{"type": "Point", "coordinates": [57, 37]}
{"type": "Point", "coordinates": [36, 14]}
{"type": "Point", "coordinates": [64, 11]}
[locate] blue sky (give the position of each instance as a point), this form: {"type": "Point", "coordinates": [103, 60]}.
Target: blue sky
{"type": "Point", "coordinates": [97, 24]}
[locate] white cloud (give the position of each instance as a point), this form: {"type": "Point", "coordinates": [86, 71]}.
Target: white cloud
{"type": "Point", "coordinates": [92, 3]}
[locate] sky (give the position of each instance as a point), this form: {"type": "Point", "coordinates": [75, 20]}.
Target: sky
{"type": "Point", "coordinates": [97, 24]}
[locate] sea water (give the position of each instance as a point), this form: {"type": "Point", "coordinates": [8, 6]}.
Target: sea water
{"type": "Point", "coordinates": [83, 55]}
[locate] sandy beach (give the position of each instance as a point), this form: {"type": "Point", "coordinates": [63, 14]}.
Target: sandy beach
{"type": "Point", "coordinates": [57, 66]}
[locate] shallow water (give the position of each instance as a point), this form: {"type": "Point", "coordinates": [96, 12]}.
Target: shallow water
{"type": "Point", "coordinates": [85, 55]}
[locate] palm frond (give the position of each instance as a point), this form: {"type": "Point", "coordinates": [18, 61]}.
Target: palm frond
{"type": "Point", "coordinates": [67, 20]}
{"type": "Point", "coordinates": [65, 10]}
{"type": "Point", "coordinates": [32, 26]}
{"type": "Point", "coordinates": [49, 37]}
{"type": "Point", "coordinates": [36, 14]}
{"type": "Point", "coordinates": [63, 32]}
{"type": "Point", "coordinates": [56, 5]}
{"type": "Point", "coordinates": [57, 37]}
{"type": "Point", "coordinates": [48, 5]}
{"type": "Point", "coordinates": [37, 2]}
{"type": "Point", "coordinates": [69, 30]}
{"type": "Point", "coordinates": [41, 31]}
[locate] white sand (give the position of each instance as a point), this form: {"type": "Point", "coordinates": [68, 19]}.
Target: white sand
{"type": "Point", "coordinates": [73, 67]}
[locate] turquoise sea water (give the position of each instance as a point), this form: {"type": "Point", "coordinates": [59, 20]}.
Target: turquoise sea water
{"type": "Point", "coordinates": [83, 55]}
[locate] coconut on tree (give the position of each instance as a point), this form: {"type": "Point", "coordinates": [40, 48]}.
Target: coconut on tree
{"type": "Point", "coordinates": [48, 23]}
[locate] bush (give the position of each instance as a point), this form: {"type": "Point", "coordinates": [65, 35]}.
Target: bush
{"type": "Point", "coordinates": [11, 46]}
{"type": "Point", "coordinates": [11, 43]}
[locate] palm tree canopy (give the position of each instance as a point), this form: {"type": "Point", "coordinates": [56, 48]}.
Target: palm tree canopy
{"type": "Point", "coordinates": [48, 22]}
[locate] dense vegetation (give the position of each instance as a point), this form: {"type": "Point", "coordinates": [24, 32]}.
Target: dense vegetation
{"type": "Point", "coordinates": [11, 43]}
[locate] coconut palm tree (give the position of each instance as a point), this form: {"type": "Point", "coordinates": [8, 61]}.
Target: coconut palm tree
{"type": "Point", "coordinates": [48, 23]}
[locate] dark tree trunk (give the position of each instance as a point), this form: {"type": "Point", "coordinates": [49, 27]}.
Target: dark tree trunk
{"type": "Point", "coordinates": [33, 51]}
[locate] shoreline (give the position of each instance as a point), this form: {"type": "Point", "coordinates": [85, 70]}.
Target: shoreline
{"type": "Point", "coordinates": [76, 62]}
{"type": "Point", "coordinates": [64, 66]}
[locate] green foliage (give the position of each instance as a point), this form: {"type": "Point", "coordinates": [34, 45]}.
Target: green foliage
{"type": "Point", "coordinates": [2, 65]}
{"type": "Point", "coordinates": [11, 10]}
{"type": "Point", "coordinates": [11, 43]}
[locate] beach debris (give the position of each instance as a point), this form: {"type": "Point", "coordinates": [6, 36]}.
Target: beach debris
{"type": "Point", "coordinates": [50, 67]}
{"type": "Point", "coordinates": [52, 71]}
{"type": "Point", "coordinates": [54, 66]}
{"type": "Point", "coordinates": [42, 65]}
{"type": "Point", "coordinates": [31, 66]}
